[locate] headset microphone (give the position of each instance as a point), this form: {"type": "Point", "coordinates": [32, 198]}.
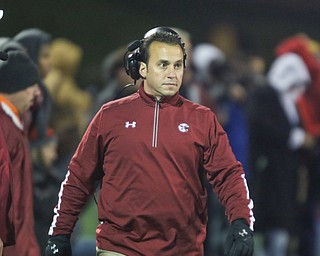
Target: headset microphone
{"type": "Point", "coordinates": [3, 56]}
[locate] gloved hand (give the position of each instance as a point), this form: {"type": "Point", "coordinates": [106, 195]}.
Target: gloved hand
{"type": "Point", "coordinates": [59, 246]}
{"type": "Point", "coordinates": [239, 240]}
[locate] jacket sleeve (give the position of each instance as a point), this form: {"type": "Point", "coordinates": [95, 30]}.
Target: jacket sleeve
{"type": "Point", "coordinates": [226, 175]}
{"type": "Point", "coordinates": [83, 172]}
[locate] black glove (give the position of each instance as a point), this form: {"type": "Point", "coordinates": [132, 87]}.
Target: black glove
{"type": "Point", "coordinates": [239, 240]}
{"type": "Point", "coordinates": [59, 246]}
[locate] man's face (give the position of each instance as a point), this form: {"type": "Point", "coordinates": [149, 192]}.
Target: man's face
{"type": "Point", "coordinates": [163, 74]}
{"type": "Point", "coordinates": [25, 99]}
{"type": "Point", "coordinates": [44, 60]}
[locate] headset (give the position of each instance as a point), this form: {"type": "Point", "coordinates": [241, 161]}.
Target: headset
{"type": "Point", "coordinates": [131, 61]}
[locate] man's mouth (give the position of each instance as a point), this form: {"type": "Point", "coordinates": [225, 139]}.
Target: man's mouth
{"type": "Point", "coordinates": [170, 84]}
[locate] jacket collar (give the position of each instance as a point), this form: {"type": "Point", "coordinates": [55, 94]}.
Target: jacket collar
{"type": "Point", "coordinates": [11, 111]}
{"type": "Point", "coordinates": [174, 100]}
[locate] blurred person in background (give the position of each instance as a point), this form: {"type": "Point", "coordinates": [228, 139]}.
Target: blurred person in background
{"type": "Point", "coordinates": [18, 90]}
{"type": "Point", "coordinates": [71, 104]}
{"type": "Point", "coordinates": [37, 44]}
{"type": "Point", "coordinates": [114, 79]}
{"type": "Point", "coordinates": [210, 66]}
{"type": "Point", "coordinates": [71, 111]}
{"type": "Point", "coordinates": [309, 110]}
{"type": "Point", "coordinates": [308, 104]}
{"type": "Point", "coordinates": [277, 142]}
{"type": "Point", "coordinates": [7, 232]}
{"type": "Point", "coordinates": [46, 182]}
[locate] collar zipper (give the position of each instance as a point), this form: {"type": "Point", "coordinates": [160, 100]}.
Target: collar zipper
{"type": "Point", "coordinates": [155, 124]}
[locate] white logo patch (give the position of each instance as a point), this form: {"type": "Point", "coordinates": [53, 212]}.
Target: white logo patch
{"type": "Point", "coordinates": [183, 127]}
{"type": "Point", "coordinates": [54, 249]}
{"type": "Point", "coordinates": [132, 125]}
{"type": "Point", "coordinates": [243, 233]}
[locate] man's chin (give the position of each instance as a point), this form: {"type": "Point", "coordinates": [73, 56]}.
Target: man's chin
{"type": "Point", "coordinates": [168, 94]}
{"type": "Point", "coordinates": [170, 91]}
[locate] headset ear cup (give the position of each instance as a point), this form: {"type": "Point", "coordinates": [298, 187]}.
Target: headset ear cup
{"type": "Point", "coordinates": [133, 66]}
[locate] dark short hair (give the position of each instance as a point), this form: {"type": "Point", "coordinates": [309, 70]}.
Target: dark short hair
{"type": "Point", "coordinates": [162, 37]}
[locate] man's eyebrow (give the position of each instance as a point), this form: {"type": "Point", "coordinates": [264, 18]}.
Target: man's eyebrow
{"type": "Point", "coordinates": [163, 61]}
{"type": "Point", "coordinates": [166, 61]}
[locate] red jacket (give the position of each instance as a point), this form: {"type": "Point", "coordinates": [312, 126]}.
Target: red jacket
{"type": "Point", "coordinates": [6, 207]}
{"type": "Point", "coordinates": [309, 103]}
{"type": "Point", "coordinates": [151, 157]}
{"type": "Point", "coordinates": [18, 148]}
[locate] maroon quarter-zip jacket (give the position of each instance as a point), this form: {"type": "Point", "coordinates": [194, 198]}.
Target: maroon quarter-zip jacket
{"type": "Point", "coordinates": [152, 156]}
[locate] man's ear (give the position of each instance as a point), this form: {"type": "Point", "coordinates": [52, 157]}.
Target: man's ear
{"type": "Point", "coordinates": [143, 70]}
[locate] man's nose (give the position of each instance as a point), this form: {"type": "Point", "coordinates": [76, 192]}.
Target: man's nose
{"type": "Point", "coordinates": [171, 71]}
{"type": "Point", "coordinates": [37, 90]}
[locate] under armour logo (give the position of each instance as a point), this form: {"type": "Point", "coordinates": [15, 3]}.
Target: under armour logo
{"type": "Point", "coordinates": [183, 127]}
{"type": "Point", "coordinates": [54, 249]}
{"type": "Point", "coordinates": [132, 125]}
{"type": "Point", "coordinates": [243, 233]}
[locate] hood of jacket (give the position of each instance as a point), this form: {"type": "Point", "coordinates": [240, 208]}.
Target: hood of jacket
{"type": "Point", "coordinates": [33, 39]}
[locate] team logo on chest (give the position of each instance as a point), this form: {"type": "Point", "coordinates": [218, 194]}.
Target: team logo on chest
{"type": "Point", "coordinates": [183, 127]}
{"type": "Point", "coordinates": [131, 125]}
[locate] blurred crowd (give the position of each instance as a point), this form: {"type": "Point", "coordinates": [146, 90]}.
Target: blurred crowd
{"type": "Point", "coordinates": [270, 111]}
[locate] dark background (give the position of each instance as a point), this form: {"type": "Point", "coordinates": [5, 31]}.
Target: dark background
{"type": "Point", "coordinates": [99, 26]}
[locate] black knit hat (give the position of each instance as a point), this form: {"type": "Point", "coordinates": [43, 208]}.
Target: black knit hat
{"type": "Point", "coordinates": [17, 73]}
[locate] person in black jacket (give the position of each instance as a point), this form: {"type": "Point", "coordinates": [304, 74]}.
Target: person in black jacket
{"type": "Point", "coordinates": [37, 44]}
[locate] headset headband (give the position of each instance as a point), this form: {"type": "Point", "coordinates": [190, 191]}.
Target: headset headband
{"type": "Point", "coordinates": [132, 61]}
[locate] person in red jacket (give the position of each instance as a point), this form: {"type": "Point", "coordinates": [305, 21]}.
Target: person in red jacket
{"type": "Point", "coordinates": [309, 103]}
{"type": "Point", "coordinates": [151, 151]}
{"type": "Point", "coordinates": [18, 90]}
{"type": "Point", "coordinates": [7, 235]}
{"type": "Point", "coordinates": [7, 232]}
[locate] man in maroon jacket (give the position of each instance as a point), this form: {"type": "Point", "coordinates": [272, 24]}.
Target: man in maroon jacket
{"type": "Point", "coordinates": [18, 90]}
{"type": "Point", "coordinates": [7, 235]}
{"type": "Point", "coordinates": [151, 150]}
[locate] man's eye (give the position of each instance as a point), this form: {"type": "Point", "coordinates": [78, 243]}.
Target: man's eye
{"type": "Point", "coordinates": [178, 66]}
{"type": "Point", "coordinates": [163, 65]}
